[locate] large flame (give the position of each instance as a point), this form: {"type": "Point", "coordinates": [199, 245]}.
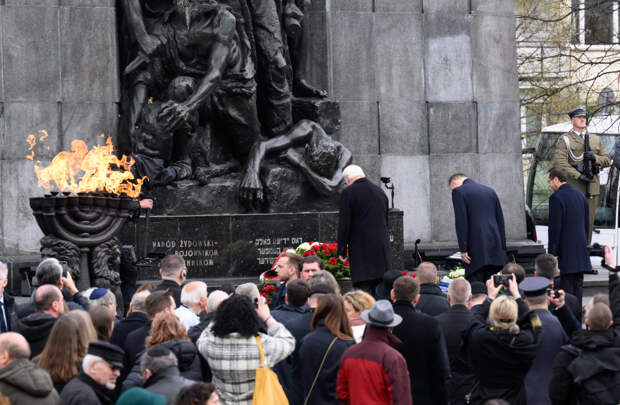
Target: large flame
{"type": "Point", "coordinates": [84, 171]}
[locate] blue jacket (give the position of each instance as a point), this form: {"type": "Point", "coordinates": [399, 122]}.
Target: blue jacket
{"type": "Point", "coordinates": [568, 229]}
{"type": "Point", "coordinates": [538, 377]}
{"type": "Point", "coordinates": [479, 222]}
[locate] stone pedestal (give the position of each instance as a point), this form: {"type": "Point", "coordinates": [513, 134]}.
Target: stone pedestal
{"type": "Point", "coordinates": [237, 245]}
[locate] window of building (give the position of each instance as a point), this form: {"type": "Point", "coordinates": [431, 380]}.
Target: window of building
{"type": "Point", "coordinates": [596, 22]}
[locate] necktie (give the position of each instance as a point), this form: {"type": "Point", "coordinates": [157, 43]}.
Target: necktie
{"type": "Point", "coordinates": [3, 326]}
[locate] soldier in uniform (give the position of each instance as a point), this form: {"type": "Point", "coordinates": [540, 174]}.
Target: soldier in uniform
{"type": "Point", "coordinates": [570, 155]}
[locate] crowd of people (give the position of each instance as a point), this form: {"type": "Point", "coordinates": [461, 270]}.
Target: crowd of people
{"type": "Point", "coordinates": [519, 342]}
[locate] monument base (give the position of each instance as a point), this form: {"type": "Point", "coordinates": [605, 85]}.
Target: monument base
{"type": "Point", "coordinates": [239, 245]}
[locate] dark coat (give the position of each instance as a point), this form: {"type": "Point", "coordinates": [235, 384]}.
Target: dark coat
{"type": "Point", "coordinates": [299, 327]}
{"type": "Point", "coordinates": [84, 390]}
{"type": "Point", "coordinates": [189, 363]}
{"type": "Point", "coordinates": [134, 321]}
{"type": "Point", "coordinates": [432, 301]}
{"type": "Point", "coordinates": [538, 378]}
{"type": "Point", "coordinates": [569, 220]}
{"type": "Point", "coordinates": [311, 352]}
{"type": "Point", "coordinates": [10, 311]}
{"type": "Point", "coordinates": [286, 313]}
{"type": "Point", "coordinates": [453, 324]}
{"type": "Point", "coordinates": [479, 222]}
{"type": "Point", "coordinates": [22, 382]}
{"type": "Point", "coordinates": [134, 345]}
{"type": "Point", "coordinates": [195, 331]}
{"type": "Point", "coordinates": [374, 372]}
{"type": "Point", "coordinates": [36, 329]}
{"type": "Point", "coordinates": [175, 290]}
{"type": "Point", "coordinates": [501, 360]}
{"type": "Point", "coordinates": [278, 297]}
{"type": "Point", "coordinates": [75, 301]}
{"type": "Point", "coordinates": [562, 389]}
{"type": "Point", "coordinates": [363, 228]}
{"type": "Point", "coordinates": [424, 349]}
{"type": "Point", "coordinates": [167, 382]}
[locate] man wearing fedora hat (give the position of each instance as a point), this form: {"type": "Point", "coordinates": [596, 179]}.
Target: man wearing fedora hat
{"type": "Point", "coordinates": [373, 371]}
{"type": "Point", "coordinates": [570, 155]}
{"type": "Point", "coordinates": [96, 383]}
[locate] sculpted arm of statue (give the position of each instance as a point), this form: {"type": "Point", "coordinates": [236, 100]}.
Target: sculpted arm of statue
{"type": "Point", "coordinates": [561, 159]}
{"type": "Point", "coordinates": [251, 187]}
{"type": "Point", "coordinates": [323, 185]}
{"type": "Point", "coordinates": [148, 43]}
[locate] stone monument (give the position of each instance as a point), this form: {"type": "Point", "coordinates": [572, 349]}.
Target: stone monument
{"type": "Point", "coordinates": [413, 90]}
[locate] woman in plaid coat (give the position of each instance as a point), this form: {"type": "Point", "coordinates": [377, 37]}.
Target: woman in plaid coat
{"type": "Point", "coordinates": [230, 348]}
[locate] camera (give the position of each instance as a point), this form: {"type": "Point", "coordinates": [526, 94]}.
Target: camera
{"type": "Point", "coordinates": [501, 279]}
{"type": "Point", "coordinates": [386, 180]}
{"type": "Point", "coordinates": [65, 268]}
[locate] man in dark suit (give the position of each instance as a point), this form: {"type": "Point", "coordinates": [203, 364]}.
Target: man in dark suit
{"type": "Point", "coordinates": [173, 274]}
{"type": "Point", "coordinates": [8, 316]}
{"type": "Point", "coordinates": [423, 346]}
{"type": "Point", "coordinates": [568, 232]}
{"type": "Point", "coordinates": [479, 224]}
{"type": "Point", "coordinates": [362, 230]}
{"type": "Point", "coordinates": [453, 323]}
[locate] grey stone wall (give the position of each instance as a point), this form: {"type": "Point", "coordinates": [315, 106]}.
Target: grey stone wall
{"type": "Point", "coordinates": [58, 72]}
{"type": "Point", "coordinates": [426, 88]}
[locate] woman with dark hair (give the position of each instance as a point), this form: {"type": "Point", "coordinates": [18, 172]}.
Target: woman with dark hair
{"type": "Point", "coordinates": [231, 349]}
{"type": "Point", "coordinates": [198, 394]}
{"type": "Point", "coordinates": [103, 321]}
{"type": "Point", "coordinates": [169, 332]}
{"type": "Point", "coordinates": [61, 355]}
{"type": "Point", "coordinates": [318, 359]}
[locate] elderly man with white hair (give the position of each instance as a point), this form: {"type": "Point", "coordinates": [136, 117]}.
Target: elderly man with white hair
{"type": "Point", "coordinates": [8, 316]}
{"type": "Point", "coordinates": [193, 303]}
{"type": "Point", "coordinates": [363, 237]}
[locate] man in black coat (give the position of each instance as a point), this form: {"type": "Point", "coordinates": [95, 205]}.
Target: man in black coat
{"type": "Point", "coordinates": [50, 272]}
{"type": "Point", "coordinates": [37, 326]}
{"type": "Point", "coordinates": [432, 302]}
{"type": "Point", "coordinates": [363, 230]}
{"type": "Point", "coordinates": [136, 318]}
{"type": "Point", "coordinates": [568, 232]}
{"type": "Point", "coordinates": [596, 348]}
{"type": "Point", "coordinates": [479, 222]}
{"type": "Point", "coordinates": [453, 323]}
{"type": "Point", "coordinates": [423, 347]}
{"type": "Point", "coordinates": [173, 274]}
{"type": "Point", "coordinates": [8, 316]}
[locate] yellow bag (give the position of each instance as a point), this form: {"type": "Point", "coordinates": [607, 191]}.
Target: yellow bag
{"type": "Point", "coordinates": [267, 388]}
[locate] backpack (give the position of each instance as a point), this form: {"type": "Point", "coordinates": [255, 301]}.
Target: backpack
{"type": "Point", "coordinates": [597, 375]}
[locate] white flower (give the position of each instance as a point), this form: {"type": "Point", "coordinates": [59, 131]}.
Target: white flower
{"type": "Point", "coordinates": [304, 246]}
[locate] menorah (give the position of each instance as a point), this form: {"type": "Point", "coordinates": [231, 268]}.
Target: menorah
{"type": "Point", "coordinates": [80, 229]}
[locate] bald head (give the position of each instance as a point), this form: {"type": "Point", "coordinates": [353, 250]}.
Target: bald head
{"type": "Point", "coordinates": [426, 273]}
{"type": "Point", "coordinates": [13, 346]}
{"type": "Point", "coordinates": [48, 299]}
